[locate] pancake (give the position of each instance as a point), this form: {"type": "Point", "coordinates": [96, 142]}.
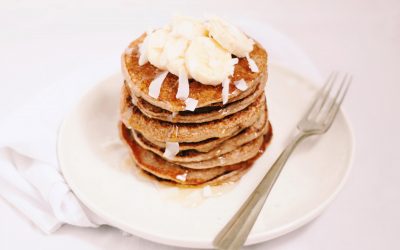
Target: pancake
{"type": "Point", "coordinates": [140, 77]}
{"type": "Point", "coordinates": [239, 154]}
{"type": "Point", "coordinates": [157, 166]}
{"type": "Point", "coordinates": [204, 114]}
{"type": "Point", "coordinates": [228, 177]}
{"type": "Point", "coordinates": [201, 146]}
{"type": "Point", "coordinates": [261, 127]}
{"type": "Point", "coordinates": [188, 132]}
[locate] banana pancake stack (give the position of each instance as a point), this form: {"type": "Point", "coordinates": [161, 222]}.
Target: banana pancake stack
{"type": "Point", "coordinates": [193, 108]}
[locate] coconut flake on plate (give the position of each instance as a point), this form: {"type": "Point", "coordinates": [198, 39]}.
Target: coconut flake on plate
{"type": "Point", "coordinates": [191, 104]}
{"type": "Point", "coordinates": [155, 85]}
{"type": "Point", "coordinates": [252, 64]}
{"type": "Point", "coordinates": [241, 85]}
{"type": "Point", "coordinates": [225, 90]}
{"type": "Point", "coordinates": [183, 86]}
{"type": "Point", "coordinates": [171, 149]}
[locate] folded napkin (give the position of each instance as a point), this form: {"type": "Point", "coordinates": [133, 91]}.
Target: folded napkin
{"type": "Point", "coordinates": [30, 178]}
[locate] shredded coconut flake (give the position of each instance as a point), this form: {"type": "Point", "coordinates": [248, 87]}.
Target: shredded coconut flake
{"type": "Point", "coordinates": [181, 177]}
{"type": "Point", "coordinates": [241, 85]}
{"type": "Point", "coordinates": [155, 85]}
{"type": "Point", "coordinates": [252, 64]}
{"type": "Point", "coordinates": [225, 90]}
{"type": "Point", "coordinates": [207, 192]}
{"type": "Point", "coordinates": [235, 61]}
{"type": "Point", "coordinates": [142, 52]}
{"type": "Point", "coordinates": [191, 104]}
{"type": "Point", "coordinates": [171, 149]}
{"type": "Point", "coordinates": [183, 86]}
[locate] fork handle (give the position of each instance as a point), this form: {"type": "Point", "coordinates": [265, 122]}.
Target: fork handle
{"type": "Point", "coordinates": [235, 232]}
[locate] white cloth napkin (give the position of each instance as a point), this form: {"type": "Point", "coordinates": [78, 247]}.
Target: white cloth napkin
{"type": "Point", "coordinates": [30, 178]}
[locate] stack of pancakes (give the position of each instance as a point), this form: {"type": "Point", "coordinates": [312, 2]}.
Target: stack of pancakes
{"type": "Point", "coordinates": [217, 142]}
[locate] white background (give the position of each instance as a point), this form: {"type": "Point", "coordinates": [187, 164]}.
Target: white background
{"type": "Point", "coordinates": [45, 40]}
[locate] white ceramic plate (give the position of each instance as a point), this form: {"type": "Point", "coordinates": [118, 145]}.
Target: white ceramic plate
{"type": "Point", "coordinates": [94, 164]}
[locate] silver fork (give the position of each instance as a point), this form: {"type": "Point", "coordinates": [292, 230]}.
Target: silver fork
{"type": "Point", "coordinates": [316, 121]}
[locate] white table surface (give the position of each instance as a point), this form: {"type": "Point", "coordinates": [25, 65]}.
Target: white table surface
{"type": "Point", "coordinates": [43, 41]}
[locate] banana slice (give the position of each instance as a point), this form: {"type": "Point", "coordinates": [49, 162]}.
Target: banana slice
{"type": "Point", "coordinates": [207, 62]}
{"type": "Point", "coordinates": [230, 37]}
{"type": "Point", "coordinates": [187, 27]}
{"type": "Point", "coordinates": [174, 52]}
{"type": "Point", "coordinates": [155, 47]}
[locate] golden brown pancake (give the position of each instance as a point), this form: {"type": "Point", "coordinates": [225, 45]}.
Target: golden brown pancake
{"type": "Point", "coordinates": [163, 169]}
{"type": "Point", "coordinates": [237, 155]}
{"type": "Point", "coordinates": [204, 114]}
{"type": "Point", "coordinates": [189, 132]}
{"type": "Point", "coordinates": [260, 128]}
{"type": "Point", "coordinates": [201, 146]}
{"type": "Point", "coordinates": [140, 77]}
